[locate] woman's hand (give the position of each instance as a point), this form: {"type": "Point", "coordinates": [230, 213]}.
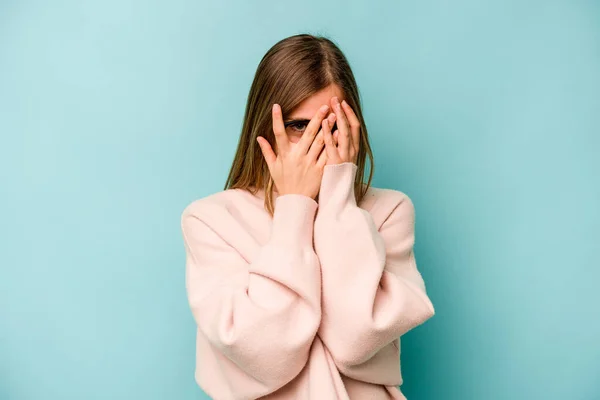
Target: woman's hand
{"type": "Point", "coordinates": [296, 168]}
{"type": "Point", "coordinates": [348, 134]}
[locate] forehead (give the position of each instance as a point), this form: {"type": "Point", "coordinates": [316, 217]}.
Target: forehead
{"type": "Point", "coordinates": [308, 108]}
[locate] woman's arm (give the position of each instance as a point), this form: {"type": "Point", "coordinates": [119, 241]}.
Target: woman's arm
{"type": "Point", "coordinates": [262, 315]}
{"type": "Point", "coordinates": [372, 290]}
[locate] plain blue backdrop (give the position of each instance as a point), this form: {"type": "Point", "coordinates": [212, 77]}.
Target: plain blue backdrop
{"type": "Point", "coordinates": [114, 115]}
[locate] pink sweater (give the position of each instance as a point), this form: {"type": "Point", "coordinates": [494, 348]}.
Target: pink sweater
{"type": "Point", "coordinates": [306, 305]}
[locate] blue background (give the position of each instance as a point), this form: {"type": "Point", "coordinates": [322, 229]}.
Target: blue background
{"type": "Point", "coordinates": [115, 115]}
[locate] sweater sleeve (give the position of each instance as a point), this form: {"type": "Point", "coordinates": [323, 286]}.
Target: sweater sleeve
{"type": "Point", "coordinates": [372, 290]}
{"type": "Point", "coordinates": [263, 314]}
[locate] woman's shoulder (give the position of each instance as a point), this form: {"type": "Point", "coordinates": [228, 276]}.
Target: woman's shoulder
{"type": "Point", "coordinates": [220, 204]}
{"type": "Point", "coordinates": [383, 202]}
{"type": "Point", "coordinates": [232, 216]}
{"type": "Point", "coordinates": [385, 196]}
{"type": "Point", "coordinates": [211, 202]}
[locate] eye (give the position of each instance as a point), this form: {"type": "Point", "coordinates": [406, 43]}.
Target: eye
{"type": "Point", "coordinates": [298, 126]}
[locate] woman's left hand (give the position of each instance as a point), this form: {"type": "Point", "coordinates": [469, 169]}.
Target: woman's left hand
{"type": "Point", "coordinates": [348, 134]}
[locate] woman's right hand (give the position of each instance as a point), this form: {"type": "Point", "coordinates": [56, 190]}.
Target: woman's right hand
{"type": "Point", "coordinates": [297, 168]}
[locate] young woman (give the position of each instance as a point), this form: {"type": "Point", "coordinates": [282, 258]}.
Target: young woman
{"type": "Point", "coordinates": [302, 278]}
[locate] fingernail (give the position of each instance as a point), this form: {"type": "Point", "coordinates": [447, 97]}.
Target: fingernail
{"type": "Point", "coordinates": [344, 102]}
{"type": "Point", "coordinates": [274, 106]}
{"type": "Point", "coordinates": [324, 108]}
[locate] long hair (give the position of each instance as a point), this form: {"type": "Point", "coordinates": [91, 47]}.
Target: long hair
{"type": "Point", "coordinates": [291, 71]}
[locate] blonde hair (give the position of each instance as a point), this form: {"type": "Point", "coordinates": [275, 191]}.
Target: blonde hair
{"type": "Point", "coordinates": [291, 71]}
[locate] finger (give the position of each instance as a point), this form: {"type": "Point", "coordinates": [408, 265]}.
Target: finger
{"type": "Point", "coordinates": [354, 123]}
{"type": "Point", "coordinates": [332, 119]}
{"type": "Point", "coordinates": [283, 144]}
{"type": "Point", "coordinates": [344, 135]}
{"type": "Point", "coordinates": [322, 160]}
{"type": "Point", "coordinates": [335, 137]}
{"type": "Point", "coordinates": [328, 139]}
{"type": "Point", "coordinates": [316, 146]}
{"type": "Point", "coordinates": [312, 129]}
{"type": "Point", "coordinates": [267, 151]}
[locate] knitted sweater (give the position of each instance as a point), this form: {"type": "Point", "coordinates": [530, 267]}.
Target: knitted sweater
{"type": "Point", "coordinates": [308, 304]}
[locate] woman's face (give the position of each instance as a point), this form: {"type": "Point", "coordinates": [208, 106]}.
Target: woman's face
{"type": "Point", "coordinates": [307, 110]}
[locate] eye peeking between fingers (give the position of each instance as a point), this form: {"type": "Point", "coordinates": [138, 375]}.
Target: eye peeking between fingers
{"type": "Point", "coordinates": [296, 126]}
